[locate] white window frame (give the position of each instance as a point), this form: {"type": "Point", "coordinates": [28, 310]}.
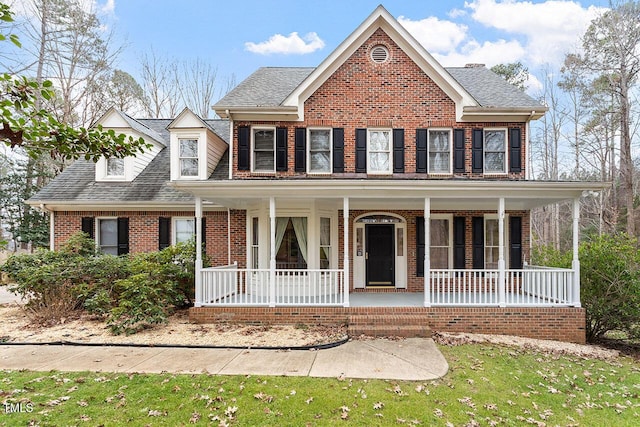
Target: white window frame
{"type": "Point", "coordinates": [494, 217]}
{"type": "Point", "coordinates": [320, 245]}
{"type": "Point", "coordinates": [255, 129]}
{"type": "Point", "coordinates": [97, 231]}
{"type": "Point", "coordinates": [180, 157]}
{"type": "Point", "coordinates": [450, 246]}
{"type": "Point", "coordinates": [174, 227]}
{"type": "Point", "coordinates": [389, 151]}
{"type": "Point", "coordinates": [450, 131]}
{"type": "Point", "coordinates": [254, 242]}
{"type": "Point", "coordinates": [484, 151]}
{"type": "Point", "coordinates": [309, 151]}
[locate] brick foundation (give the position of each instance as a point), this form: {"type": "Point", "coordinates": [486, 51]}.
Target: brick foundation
{"type": "Point", "coordinates": [561, 324]}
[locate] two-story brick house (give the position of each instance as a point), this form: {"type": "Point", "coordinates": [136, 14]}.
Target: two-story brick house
{"type": "Point", "coordinates": [317, 190]}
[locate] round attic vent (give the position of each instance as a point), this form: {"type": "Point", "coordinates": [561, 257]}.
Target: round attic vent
{"type": "Point", "coordinates": [379, 54]}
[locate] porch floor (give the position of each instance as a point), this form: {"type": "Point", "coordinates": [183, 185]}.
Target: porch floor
{"type": "Point", "coordinates": [394, 299]}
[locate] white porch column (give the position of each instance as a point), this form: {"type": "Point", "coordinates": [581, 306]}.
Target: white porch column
{"type": "Point", "coordinates": [502, 298]}
{"type": "Point", "coordinates": [427, 252]}
{"type": "Point", "coordinates": [272, 252]}
{"type": "Point", "coordinates": [345, 226]}
{"type": "Point", "coordinates": [198, 302]}
{"type": "Point", "coordinates": [575, 264]}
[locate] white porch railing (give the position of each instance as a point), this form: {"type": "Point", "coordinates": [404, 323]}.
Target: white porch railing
{"type": "Point", "coordinates": [229, 285]}
{"type": "Point", "coordinates": [531, 286]}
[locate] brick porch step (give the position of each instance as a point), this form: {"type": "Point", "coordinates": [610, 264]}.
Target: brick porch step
{"type": "Point", "coordinates": [384, 325]}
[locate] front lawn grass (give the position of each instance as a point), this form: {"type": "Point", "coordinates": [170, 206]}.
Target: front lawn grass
{"type": "Point", "coordinates": [486, 385]}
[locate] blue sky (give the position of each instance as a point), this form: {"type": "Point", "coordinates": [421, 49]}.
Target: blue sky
{"type": "Point", "coordinates": [239, 37]}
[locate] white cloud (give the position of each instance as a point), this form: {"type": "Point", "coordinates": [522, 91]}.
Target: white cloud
{"type": "Point", "coordinates": [108, 7]}
{"type": "Point", "coordinates": [488, 53]}
{"type": "Point", "coordinates": [434, 34]}
{"type": "Point", "coordinates": [550, 29]}
{"type": "Point", "coordinates": [287, 45]}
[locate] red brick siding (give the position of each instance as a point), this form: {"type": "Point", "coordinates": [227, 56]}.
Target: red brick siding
{"type": "Point", "coordinates": [561, 324]}
{"type": "Point", "coordinates": [143, 229]}
{"type": "Point", "coordinates": [396, 94]}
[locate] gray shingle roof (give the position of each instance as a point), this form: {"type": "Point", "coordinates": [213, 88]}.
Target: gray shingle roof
{"type": "Point", "coordinates": [266, 87]}
{"type": "Point", "coordinates": [491, 90]}
{"type": "Point", "coordinates": [269, 87]}
{"type": "Point", "coordinates": [137, 125]}
{"type": "Point", "coordinates": [77, 183]}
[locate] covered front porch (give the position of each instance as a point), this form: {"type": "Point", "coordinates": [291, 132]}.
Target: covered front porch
{"type": "Point", "coordinates": [260, 280]}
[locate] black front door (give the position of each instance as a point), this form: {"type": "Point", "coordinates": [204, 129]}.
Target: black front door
{"type": "Point", "coordinates": [380, 255]}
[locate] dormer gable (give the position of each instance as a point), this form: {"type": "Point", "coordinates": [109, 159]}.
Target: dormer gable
{"type": "Point", "coordinates": [196, 148]}
{"type": "Point", "coordinates": [128, 168]}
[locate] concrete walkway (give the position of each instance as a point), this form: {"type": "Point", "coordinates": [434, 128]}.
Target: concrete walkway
{"type": "Point", "coordinates": [414, 359]}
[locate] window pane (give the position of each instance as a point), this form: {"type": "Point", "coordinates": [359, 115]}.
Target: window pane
{"type": "Point", "coordinates": [325, 231]}
{"type": "Point", "coordinates": [320, 162]}
{"type": "Point", "coordinates": [378, 162]}
{"type": "Point", "coordinates": [494, 162]}
{"type": "Point", "coordinates": [439, 140]}
{"type": "Point", "coordinates": [108, 236]}
{"type": "Point", "coordinates": [379, 140]}
{"type": "Point", "coordinates": [185, 230]}
{"type": "Point", "coordinates": [264, 161]}
{"type": "Point", "coordinates": [439, 162]}
{"type": "Point", "coordinates": [188, 148]}
{"type": "Point", "coordinates": [115, 167]}
{"type": "Point", "coordinates": [440, 258]}
{"type": "Point", "coordinates": [491, 258]}
{"type": "Point", "coordinates": [494, 140]}
{"type": "Point", "coordinates": [263, 139]}
{"type": "Point", "coordinates": [320, 140]}
{"type": "Point", "coordinates": [254, 239]}
{"type": "Point", "coordinates": [189, 167]}
{"type": "Point", "coordinates": [439, 232]}
{"type": "Point", "coordinates": [492, 232]}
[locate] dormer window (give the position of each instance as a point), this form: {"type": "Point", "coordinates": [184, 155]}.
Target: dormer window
{"type": "Point", "coordinates": [115, 167]}
{"type": "Point", "coordinates": [188, 159]}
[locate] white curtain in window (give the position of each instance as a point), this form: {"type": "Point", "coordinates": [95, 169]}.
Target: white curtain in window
{"type": "Point", "coordinates": [281, 228]}
{"type": "Point", "coordinates": [300, 228]}
{"type": "Point", "coordinates": [325, 236]}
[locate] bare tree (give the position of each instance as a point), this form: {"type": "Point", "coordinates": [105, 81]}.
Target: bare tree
{"type": "Point", "coordinates": [160, 85]}
{"type": "Point", "coordinates": [198, 86]}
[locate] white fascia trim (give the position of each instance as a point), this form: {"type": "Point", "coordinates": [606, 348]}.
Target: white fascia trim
{"type": "Point", "coordinates": [61, 206]}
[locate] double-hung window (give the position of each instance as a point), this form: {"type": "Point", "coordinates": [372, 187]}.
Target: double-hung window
{"type": "Point", "coordinates": [439, 151]}
{"type": "Point", "coordinates": [495, 151]}
{"type": "Point", "coordinates": [184, 230]}
{"type": "Point", "coordinates": [492, 242]}
{"type": "Point", "coordinates": [188, 158]}
{"type": "Point", "coordinates": [379, 143]}
{"type": "Point", "coordinates": [115, 167]}
{"type": "Point", "coordinates": [108, 235]}
{"type": "Point", "coordinates": [319, 151]}
{"type": "Point", "coordinates": [264, 154]}
{"type": "Point", "coordinates": [325, 243]}
{"type": "Point", "coordinates": [440, 249]}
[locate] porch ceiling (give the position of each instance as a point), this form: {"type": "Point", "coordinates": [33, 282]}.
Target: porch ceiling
{"type": "Point", "coordinates": [377, 194]}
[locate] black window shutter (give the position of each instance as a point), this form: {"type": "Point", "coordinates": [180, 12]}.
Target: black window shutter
{"type": "Point", "coordinates": [515, 242]}
{"type": "Point", "coordinates": [420, 246]}
{"type": "Point", "coordinates": [243, 148]}
{"type": "Point", "coordinates": [476, 151]}
{"type": "Point", "coordinates": [164, 232]}
{"type": "Point", "coordinates": [515, 159]}
{"type": "Point", "coordinates": [338, 150]}
{"type": "Point", "coordinates": [281, 149]}
{"type": "Point", "coordinates": [398, 151]}
{"type": "Point", "coordinates": [88, 226]}
{"type": "Point", "coordinates": [361, 150]}
{"type": "Point", "coordinates": [477, 232]}
{"type": "Point", "coordinates": [300, 150]}
{"type": "Point", "coordinates": [204, 237]}
{"type": "Point", "coordinates": [459, 224]}
{"type": "Point", "coordinates": [123, 236]}
{"type": "Point", "coordinates": [421, 150]}
{"type": "Point", "coordinates": [458, 150]}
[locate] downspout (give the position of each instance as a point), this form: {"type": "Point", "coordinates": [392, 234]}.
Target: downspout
{"type": "Point", "coordinates": [228, 236]}
{"type": "Point", "coordinates": [228, 113]}
{"type": "Point", "coordinates": [52, 229]}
